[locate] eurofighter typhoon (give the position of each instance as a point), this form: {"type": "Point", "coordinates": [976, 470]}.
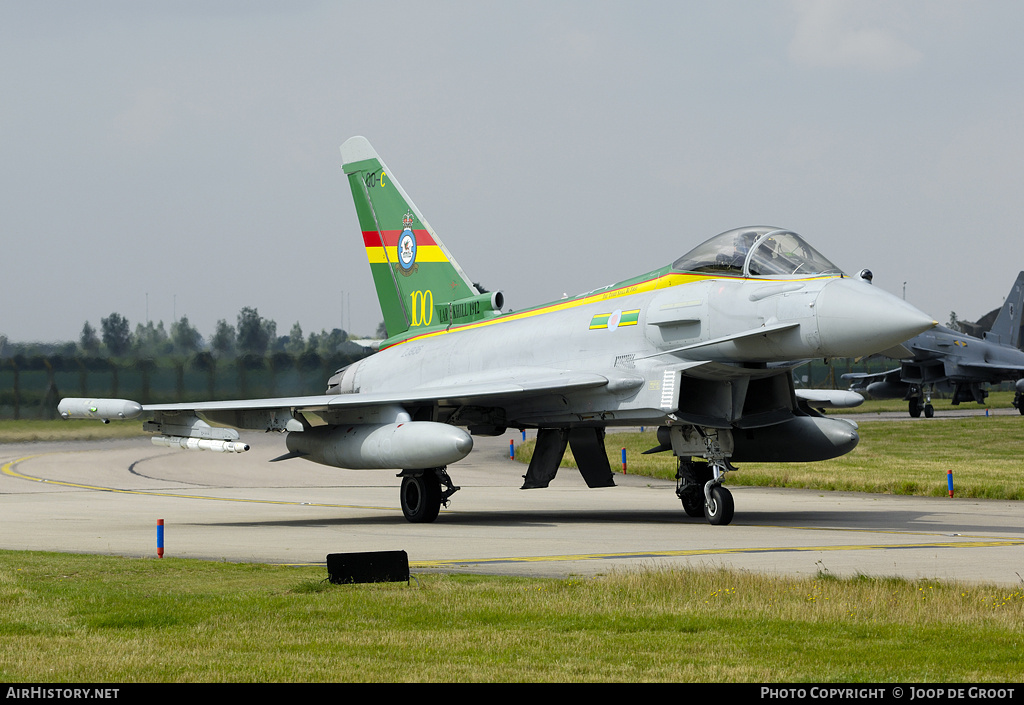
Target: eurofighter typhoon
{"type": "Point", "coordinates": [702, 348]}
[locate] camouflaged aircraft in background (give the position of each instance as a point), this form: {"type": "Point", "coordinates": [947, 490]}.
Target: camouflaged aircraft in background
{"type": "Point", "coordinates": [961, 365]}
{"type": "Point", "coordinates": [702, 348]}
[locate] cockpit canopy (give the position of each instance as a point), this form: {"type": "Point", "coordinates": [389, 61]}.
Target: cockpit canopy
{"type": "Point", "coordinates": [759, 251]}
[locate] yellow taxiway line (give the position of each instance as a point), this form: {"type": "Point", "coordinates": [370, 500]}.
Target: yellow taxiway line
{"type": "Point", "coordinates": [980, 543]}
{"type": "Point", "coordinates": [8, 469]}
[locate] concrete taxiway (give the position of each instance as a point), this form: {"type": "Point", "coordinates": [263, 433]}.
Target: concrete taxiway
{"type": "Point", "coordinates": [106, 497]}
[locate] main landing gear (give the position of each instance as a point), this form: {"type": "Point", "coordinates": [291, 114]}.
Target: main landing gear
{"type": "Point", "coordinates": [422, 495]}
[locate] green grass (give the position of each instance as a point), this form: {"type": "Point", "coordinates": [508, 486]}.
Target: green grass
{"type": "Point", "coordinates": [893, 457]}
{"type": "Point", "coordinates": [911, 458]}
{"type": "Point", "coordinates": [80, 618]}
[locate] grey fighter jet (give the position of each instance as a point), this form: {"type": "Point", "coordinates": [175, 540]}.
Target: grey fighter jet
{"type": "Point", "coordinates": [946, 360]}
{"type": "Point", "coordinates": [703, 348]}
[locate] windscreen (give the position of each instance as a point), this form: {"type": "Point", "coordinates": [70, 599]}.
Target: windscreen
{"type": "Point", "coordinates": [756, 252]}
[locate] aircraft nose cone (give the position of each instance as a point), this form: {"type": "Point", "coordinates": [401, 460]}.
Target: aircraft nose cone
{"type": "Point", "coordinates": [855, 318]}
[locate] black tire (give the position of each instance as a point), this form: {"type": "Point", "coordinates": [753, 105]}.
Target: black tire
{"type": "Point", "coordinates": [421, 497]}
{"type": "Point", "coordinates": [693, 502]}
{"type": "Point", "coordinates": [915, 408]}
{"type": "Point", "coordinates": [929, 411]}
{"type": "Point", "coordinates": [722, 507]}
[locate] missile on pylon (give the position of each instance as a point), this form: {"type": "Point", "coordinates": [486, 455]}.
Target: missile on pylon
{"type": "Point", "coordinates": [412, 444]}
{"type": "Point", "coordinates": [200, 444]}
{"type": "Point", "coordinates": [102, 409]}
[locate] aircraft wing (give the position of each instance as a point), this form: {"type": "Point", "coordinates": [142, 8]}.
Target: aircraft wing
{"type": "Point", "coordinates": [491, 387]}
{"type": "Point", "coordinates": [462, 389]}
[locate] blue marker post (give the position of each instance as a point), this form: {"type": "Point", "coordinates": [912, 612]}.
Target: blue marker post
{"type": "Point", "coordinates": [511, 450]}
{"type": "Point", "coordinates": [623, 461]}
{"type": "Point", "coordinates": [949, 481]}
{"type": "Point", "coordinates": [159, 538]}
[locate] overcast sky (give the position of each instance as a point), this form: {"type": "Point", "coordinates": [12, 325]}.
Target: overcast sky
{"type": "Point", "coordinates": [169, 158]}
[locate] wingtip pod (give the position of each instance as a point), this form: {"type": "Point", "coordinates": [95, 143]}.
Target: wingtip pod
{"type": "Point", "coordinates": [100, 409]}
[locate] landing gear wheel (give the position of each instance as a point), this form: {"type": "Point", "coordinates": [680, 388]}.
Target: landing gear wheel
{"type": "Point", "coordinates": [915, 407]}
{"type": "Point", "coordinates": [690, 480]}
{"type": "Point", "coordinates": [421, 497]}
{"type": "Point", "coordinates": [693, 502]}
{"type": "Point", "coordinates": [929, 411]}
{"type": "Point", "coordinates": [720, 509]}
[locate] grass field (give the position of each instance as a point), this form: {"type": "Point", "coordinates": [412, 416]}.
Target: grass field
{"type": "Point", "coordinates": [102, 619]}
{"type": "Point", "coordinates": [77, 618]}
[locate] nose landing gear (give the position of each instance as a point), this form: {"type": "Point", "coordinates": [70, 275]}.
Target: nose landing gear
{"type": "Point", "coordinates": [699, 485]}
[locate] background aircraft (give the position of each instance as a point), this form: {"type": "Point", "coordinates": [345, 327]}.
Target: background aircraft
{"type": "Point", "coordinates": [949, 361]}
{"type": "Point", "coordinates": [703, 348]}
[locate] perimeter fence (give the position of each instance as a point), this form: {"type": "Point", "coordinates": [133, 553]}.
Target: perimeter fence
{"type": "Point", "coordinates": [31, 385]}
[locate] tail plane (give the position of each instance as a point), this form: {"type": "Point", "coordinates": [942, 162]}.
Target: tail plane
{"type": "Point", "coordinates": [419, 284]}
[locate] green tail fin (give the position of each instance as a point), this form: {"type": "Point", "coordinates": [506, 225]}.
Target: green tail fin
{"type": "Point", "coordinates": [419, 284]}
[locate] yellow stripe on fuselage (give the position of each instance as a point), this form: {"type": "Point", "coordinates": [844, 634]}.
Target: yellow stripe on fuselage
{"type": "Point", "coordinates": [661, 282]}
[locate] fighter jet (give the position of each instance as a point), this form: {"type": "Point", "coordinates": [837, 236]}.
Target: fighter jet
{"type": "Point", "coordinates": [703, 348]}
{"type": "Point", "coordinates": [946, 360]}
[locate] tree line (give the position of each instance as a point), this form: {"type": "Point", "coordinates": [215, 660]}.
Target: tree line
{"type": "Point", "coordinates": [152, 364]}
{"type": "Point", "coordinates": [252, 335]}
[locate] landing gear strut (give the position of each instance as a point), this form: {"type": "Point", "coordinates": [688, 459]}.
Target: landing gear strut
{"type": "Point", "coordinates": [421, 493]}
